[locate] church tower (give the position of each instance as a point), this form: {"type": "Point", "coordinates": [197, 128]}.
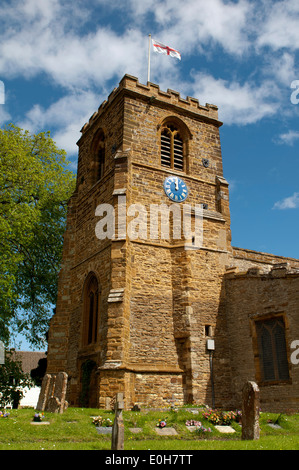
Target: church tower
{"type": "Point", "coordinates": [145, 251]}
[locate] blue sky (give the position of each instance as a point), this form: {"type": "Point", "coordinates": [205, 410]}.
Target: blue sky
{"type": "Point", "coordinates": [60, 59]}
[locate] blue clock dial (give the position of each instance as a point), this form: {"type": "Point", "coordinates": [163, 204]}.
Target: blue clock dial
{"type": "Point", "coordinates": [175, 189]}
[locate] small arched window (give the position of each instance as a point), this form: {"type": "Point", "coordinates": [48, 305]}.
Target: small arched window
{"type": "Point", "coordinates": [172, 147]}
{"type": "Point", "coordinates": [90, 314]}
{"type": "Point", "coordinates": [101, 160]}
{"type": "Point", "coordinates": [98, 156]}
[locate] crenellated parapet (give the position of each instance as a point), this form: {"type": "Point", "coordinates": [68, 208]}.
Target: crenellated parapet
{"type": "Point", "coordinates": [151, 92]}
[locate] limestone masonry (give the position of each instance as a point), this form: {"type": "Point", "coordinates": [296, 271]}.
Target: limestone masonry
{"type": "Point", "coordinates": [134, 314]}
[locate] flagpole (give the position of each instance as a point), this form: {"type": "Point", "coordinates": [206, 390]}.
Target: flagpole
{"type": "Point", "coordinates": [149, 58]}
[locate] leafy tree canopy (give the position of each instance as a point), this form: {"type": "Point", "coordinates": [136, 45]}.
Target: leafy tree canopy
{"type": "Point", "coordinates": [12, 380]}
{"type": "Point", "coordinates": [35, 186]}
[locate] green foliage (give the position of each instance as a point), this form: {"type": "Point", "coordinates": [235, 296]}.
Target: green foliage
{"type": "Point", "coordinates": [12, 380]}
{"type": "Point", "coordinates": [35, 186]}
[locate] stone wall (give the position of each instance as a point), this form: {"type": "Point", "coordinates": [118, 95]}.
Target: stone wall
{"type": "Point", "coordinates": [255, 296]}
{"type": "Point", "coordinates": [244, 259]}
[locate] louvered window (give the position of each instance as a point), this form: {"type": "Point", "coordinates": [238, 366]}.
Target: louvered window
{"type": "Point", "coordinates": [166, 148]}
{"type": "Point", "coordinates": [172, 153]}
{"type": "Point", "coordinates": [178, 162]}
{"type": "Point", "coordinates": [272, 349]}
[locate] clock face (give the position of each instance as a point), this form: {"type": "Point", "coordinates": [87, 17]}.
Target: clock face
{"type": "Point", "coordinates": [175, 189]}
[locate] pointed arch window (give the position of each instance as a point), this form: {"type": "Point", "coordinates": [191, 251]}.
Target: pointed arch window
{"type": "Point", "coordinates": [100, 161]}
{"type": "Point", "coordinates": [91, 307]}
{"type": "Point", "coordinates": [98, 156]}
{"type": "Point", "coordinates": [172, 147]}
{"type": "Point", "coordinates": [272, 349]}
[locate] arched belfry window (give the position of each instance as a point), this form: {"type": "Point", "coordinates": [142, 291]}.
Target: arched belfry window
{"type": "Point", "coordinates": [98, 156]}
{"type": "Point", "coordinates": [91, 311]}
{"type": "Point", "coordinates": [172, 147]}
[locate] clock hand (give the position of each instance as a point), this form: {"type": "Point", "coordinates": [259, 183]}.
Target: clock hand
{"type": "Point", "coordinates": [176, 184]}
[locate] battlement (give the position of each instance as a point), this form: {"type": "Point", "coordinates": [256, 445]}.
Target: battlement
{"type": "Point", "coordinates": [153, 95]}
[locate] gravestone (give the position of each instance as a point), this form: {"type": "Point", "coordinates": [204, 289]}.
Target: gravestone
{"type": "Point", "coordinates": [44, 393]}
{"type": "Point", "coordinates": [53, 393]}
{"type": "Point", "coordinates": [57, 403]}
{"type": "Point", "coordinates": [166, 431]}
{"type": "Point", "coordinates": [118, 430]}
{"type": "Point", "coordinates": [104, 430]}
{"type": "Point", "coordinates": [250, 411]}
{"type": "Point", "coordinates": [225, 429]}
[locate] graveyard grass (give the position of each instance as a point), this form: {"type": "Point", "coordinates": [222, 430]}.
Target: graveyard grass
{"type": "Point", "coordinates": [74, 430]}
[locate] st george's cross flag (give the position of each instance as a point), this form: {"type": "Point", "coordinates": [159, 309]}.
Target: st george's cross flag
{"type": "Point", "coordinates": [162, 49]}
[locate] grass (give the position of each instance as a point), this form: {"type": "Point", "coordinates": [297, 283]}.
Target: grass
{"type": "Point", "coordinates": [74, 430]}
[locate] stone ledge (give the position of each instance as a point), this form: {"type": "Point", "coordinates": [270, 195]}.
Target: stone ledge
{"type": "Point", "coordinates": [116, 295]}
{"type": "Point", "coordinates": [144, 368]}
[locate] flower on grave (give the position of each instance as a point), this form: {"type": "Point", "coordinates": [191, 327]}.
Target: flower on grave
{"type": "Point", "coordinates": [38, 417]}
{"type": "Point", "coordinates": [102, 422]}
{"type": "Point", "coordinates": [201, 429]}
{"type": "Point", "coordinates": [4, 415]}
{"type": "Point", "coordinates": [222, 417]}
{"type": "Point", "coordinates": [192, 422]}
{"type": "Point", "coordinates": [162, 423]}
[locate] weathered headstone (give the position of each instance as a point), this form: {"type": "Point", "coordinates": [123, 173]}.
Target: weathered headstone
{"type": "Point", "coordinates": [44, 393]}
{"type": "Point", "coordinates": [118, 430]}
{"type": "Point", "coordinates": [250, 411]}
{"type": "Point", "coordinates": [225, 429]}
{"type": "Point", "coordinates": [57, 403]}
{"type": "Point", "coordinates": [53, 393]}
{"type": "Point", "coordinates": [166, 431]}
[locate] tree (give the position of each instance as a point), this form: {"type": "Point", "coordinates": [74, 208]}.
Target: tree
{"type": "Point", "coordinates": [12, 380]}
{"type": "Point", "coordinates": [38, 373]}
{"type": "Point", "coordinates": [35, 186]}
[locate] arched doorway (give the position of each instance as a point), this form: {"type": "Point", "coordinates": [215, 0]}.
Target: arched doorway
{"type": "Point", "coordinates": [89, 385]}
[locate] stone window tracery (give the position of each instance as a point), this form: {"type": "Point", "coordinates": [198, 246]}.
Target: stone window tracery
{"type": "Point", "coordinates": [172, 147]}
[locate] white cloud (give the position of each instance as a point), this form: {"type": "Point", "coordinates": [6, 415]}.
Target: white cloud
{"type": "Point", "coordinates": [278, 28]}
{"type": "Point", "coordinates": [66, 116]}
{"type": "Point", "coordinates": [289, 138]}
{"type": "Point", "coordinates": [291, 202]}
{"type": "Point", "coordinates": [47, 37]}
{"type": "Point", "coordinates": [193, 23]}
{"type": "Point", "coordinates": [44, 38]}
{"type": "Point", "coordinates": [4, 115]}
{"type": "Point", "coordinates": [281, 67]}
{"type": "Point", "coordinates": [238, 104]}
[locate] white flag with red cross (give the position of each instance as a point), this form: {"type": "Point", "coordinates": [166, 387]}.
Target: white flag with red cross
{"type": "Point", "coordinates": [162, 49]}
